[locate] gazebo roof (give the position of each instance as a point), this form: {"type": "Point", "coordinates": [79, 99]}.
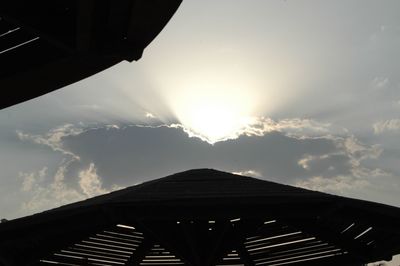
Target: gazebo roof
{"type": "Point", "coordinates": [47, 44]}
{"type": "Point", "coordinates": [206, 217]}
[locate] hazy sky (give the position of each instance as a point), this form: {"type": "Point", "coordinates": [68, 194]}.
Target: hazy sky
{"type": "Point", "coordinates": [301, 92]}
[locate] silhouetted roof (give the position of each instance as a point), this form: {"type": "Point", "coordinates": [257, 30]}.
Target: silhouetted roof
{"type": "Point", "coordinates": [208, 217]}
{"type": "Point", "coordinates": [204, 184]}
{"type": "Point", "coordinates": [47, 44]}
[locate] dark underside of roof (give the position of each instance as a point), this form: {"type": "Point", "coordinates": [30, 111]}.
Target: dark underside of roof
{"type": "Point", "coordinates": [47, 44]}
{"type": "Point", "coordinates": [205, 217]}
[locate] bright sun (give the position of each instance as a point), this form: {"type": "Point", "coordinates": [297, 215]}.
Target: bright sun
{"type": "Point", "coordinates": [214, 103]}
{"type": "Point", "coordinates": [213, 114]}
{"type": "Point", "coordinates": [213, 122]}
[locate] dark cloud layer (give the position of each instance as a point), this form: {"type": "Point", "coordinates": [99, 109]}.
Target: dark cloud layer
{"type": "Point", "coordinates": [132, 154]}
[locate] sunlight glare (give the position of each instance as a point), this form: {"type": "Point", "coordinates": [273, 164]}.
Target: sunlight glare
{"type": "Point", "coordinates": [216, 96]}
{"type": "Point", "coordinates": [214, 122]}
{"type": "Point", "coordinates": [213, 112]}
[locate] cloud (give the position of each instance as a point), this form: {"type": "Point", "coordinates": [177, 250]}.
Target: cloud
{"type": "Point", "coordinates": [283, 150]}
{"type": "Point", "coordinates": [335, 185]}
{"type": "Point", "coordinates": [359, 152]}
{"type": "Point", "coordinates": [347, 159]}
{"type": "Point", "coordinates": [42, 194]}
{"type": "Point", "coordinates": [308, 160]}
{"type": "Point", "coordinates": [380, 82]}
{"type": "Point", "coordinates": [387, 125]}
{"type": "Point", "coordinates": [259, 126]}
{"type": "Point", "coordinates": [54, 138]}
{"type": "Point", "coordinates": [43, 190]}
{"type": "Point", "coordinates": [150, 115]}
{"type": "Point", "coordinates": [32, 179]}
{"type": "Point", "coordinates": [297, 151]}
{"type": "Point", "coordinates": [344, 171]}
{"type": "Point", "coordinates": [252, 173]}
{"type": "Point", "coordinates": [294, 127]}
{"type": "Point", "coordinates": [90, 182]}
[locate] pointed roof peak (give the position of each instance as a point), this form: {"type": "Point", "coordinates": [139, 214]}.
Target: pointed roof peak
{"type": "Point", "coordinates": [199, 184]}
{"type": "Point", "coordinates": [203, 174]}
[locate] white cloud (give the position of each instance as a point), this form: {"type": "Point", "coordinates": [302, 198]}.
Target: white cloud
{"type": "Point", "coordinates": [150, 115]}
{"type": "Point", "coordinates": [32, 179]}
{"type": "Point", "coordinates": [336, 185]}
{"type": "Point", "coordinates": [359, 177]}
{"type": "Point", "coordinates": [90, 182]}
{"type": "Point", "coordinates": [44, 195]}
{"type": "Point", "coordinates": [387, 125]}
{"type": "Point", "coordinates": [306, 161]}
{"type": "Point", "coordinates": [112, 126]}
{"type": "Point", "coordinates": [343, 171]}
{"type": "Point", "coordinates": [54, 138]}
{"type": "Point", "coordinates": [295, 127]}
{"type": "Point", "coordinates": [380, 82]}
{"type": "Point", "coordinates": [259, 126]}
{"type": "Point", "coordinates": [355, 152]}
{"type": "Point", "coordinates": [358, 151]}
{"type": "Point", "coordinates": [250, 172]}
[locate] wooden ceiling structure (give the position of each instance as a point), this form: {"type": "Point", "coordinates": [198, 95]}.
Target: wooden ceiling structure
{"type": "Point", "coordinates": [205, 218]}
{"type": "Point", "coordinates": [49, 44]}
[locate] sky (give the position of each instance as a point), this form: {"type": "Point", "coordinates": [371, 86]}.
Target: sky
{"type": "Point", "coordinates": [302, 92]}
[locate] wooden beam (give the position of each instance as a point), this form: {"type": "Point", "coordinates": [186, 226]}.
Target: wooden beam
{"type": "Point", "coordinates": [313, 227]}
{"type": "Point", "coordinates": [246, 228]}
{"type": "Point", "coordinates": [140, 253]}
{"type": "Point", "coordinates": [218, 245]}
{"type": "Point", "coordinates": [244, 255]}
{"type": "Point", "coordinates": [54, 41]}
{"type": "Point", "coordinates": [188, 235]}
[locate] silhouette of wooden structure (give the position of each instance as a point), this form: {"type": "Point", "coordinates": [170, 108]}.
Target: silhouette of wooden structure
{"type": "Point", "coordinates": [205, 217]}
{"type": "Point", "coordinates": [48, 44]}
